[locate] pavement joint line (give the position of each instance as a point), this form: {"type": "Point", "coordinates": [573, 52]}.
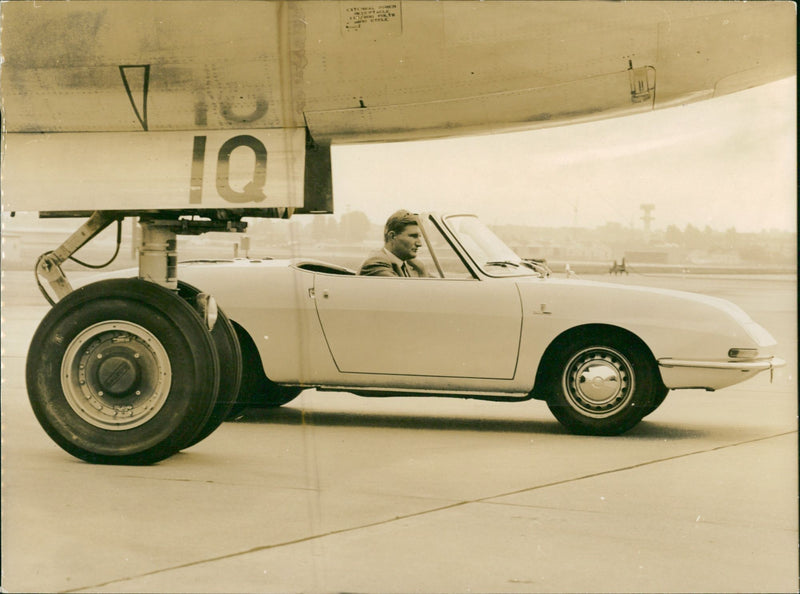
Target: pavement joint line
{"type": "Point", "coordinates": [270, 546]}
{"type": "Point", "coordinates": [207, 482]}
{"type": "Point", "coordinates": [173, 479]}
{"type": "Point", "coordinates": [626, 468]}
{"type": "Point", "coordinates": [422, 513]}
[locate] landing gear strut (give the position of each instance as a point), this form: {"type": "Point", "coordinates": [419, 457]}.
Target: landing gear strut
{"type": "Point", "coordinates": [127, 371]}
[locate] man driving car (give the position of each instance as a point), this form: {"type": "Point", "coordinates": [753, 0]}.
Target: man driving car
{"type": "Point", "coordinates": [402, 239]}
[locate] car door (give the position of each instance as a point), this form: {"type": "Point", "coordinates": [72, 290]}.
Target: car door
{"type": "Point", "coordinates": [463, 328]}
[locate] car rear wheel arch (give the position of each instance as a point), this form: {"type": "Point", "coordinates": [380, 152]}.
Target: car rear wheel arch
{"type": "Point", "coordinates": [256, 389]}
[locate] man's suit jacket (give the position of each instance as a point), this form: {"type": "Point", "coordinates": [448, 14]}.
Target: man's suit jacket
{"type": "Point", "coordinates": [379, 264]}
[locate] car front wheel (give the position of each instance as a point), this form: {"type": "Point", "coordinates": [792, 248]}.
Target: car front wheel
{"type": "Point", "coordinates": [602, 386]}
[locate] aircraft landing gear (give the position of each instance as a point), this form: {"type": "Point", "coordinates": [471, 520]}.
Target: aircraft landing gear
{"type": "Point", "coordinates": [122, 372]}
{"type": "Point", "coordinates": [230, 362]}
{"type": "Point", "coordinates": [127, 371]}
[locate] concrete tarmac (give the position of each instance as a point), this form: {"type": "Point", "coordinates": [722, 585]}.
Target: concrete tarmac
{"type": "Point", "coordinates": [336, 493]}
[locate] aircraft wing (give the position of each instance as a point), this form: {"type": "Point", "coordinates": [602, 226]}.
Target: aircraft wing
{"type": "Point", "coordinates": [171, 90]}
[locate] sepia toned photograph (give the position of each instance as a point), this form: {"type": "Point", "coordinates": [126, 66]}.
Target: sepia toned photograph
{"type": "Point", "coordinates": [399, 296]}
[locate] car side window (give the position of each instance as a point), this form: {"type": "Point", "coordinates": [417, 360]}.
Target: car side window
{"type": "Point", "coordinates": [451, 264]}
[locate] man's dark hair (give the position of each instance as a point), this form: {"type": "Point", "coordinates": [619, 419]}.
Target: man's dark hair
{"type": "Point", "coordinates": [398, 222]}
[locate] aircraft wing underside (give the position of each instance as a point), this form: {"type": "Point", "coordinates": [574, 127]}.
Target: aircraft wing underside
{"type": "Point", "coordinates": [350, 71]}
{"type": "Point", "coordinates": [372, 69]}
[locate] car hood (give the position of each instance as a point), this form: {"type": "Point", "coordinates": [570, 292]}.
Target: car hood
{"type": "Point", "coordinates": [632, 305]}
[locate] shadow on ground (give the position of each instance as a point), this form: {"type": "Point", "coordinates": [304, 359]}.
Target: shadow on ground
{"type": "Point", "coordinates": [296, 416]}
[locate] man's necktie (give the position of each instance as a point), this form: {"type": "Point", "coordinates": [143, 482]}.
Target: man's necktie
{"type": "Point", "coordinates": [404, 269]}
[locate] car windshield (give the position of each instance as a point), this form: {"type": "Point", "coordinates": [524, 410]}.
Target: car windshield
{"type": "Point", "coordinates": [486, 249]}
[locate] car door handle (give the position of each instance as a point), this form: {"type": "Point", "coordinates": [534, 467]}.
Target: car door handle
{"type": "Point", "coordinates": [542, 311]}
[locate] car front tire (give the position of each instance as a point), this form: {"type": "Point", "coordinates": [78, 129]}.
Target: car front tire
{"type": "Point", "coordinates": [602, 385]}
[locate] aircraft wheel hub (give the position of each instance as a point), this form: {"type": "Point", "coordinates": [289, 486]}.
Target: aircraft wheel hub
{"type": "Point", "coordinates": [116, 375]}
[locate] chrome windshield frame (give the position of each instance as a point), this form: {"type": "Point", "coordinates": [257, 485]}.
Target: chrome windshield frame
{"type": "Point", "coordinates": [522, 269]}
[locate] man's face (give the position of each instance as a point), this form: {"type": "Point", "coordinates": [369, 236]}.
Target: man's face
{"type": "Point", "coordinates": [405, 244]}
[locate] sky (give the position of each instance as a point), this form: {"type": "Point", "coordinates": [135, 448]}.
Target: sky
{"type": "Point", "coordinates": [724, 162]}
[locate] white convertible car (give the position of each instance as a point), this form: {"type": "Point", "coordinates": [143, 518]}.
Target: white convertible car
{"type": "Point", "coordinates": [486, 324]}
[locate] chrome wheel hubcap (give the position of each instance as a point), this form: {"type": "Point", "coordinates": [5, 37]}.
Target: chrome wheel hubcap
{"type": "Point", "coordinates": [116, 375]}
{"type": "Point", "coordinates": [598, 382]}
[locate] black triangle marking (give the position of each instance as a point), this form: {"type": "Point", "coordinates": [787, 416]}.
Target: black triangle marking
{"type": "Point", "coordinates": [139, 109]}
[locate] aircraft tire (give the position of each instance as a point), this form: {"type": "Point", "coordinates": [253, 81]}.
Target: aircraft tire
{"type": "Point", "coordinates": [122, 371]}
{"type": "Point", "coordinates": [230, 363]}
{"type": "Point", "coordinates": [602, 385]}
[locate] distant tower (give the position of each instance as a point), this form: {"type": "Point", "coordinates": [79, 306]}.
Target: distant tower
{"type": "Point", "coordinates": [647, 217]}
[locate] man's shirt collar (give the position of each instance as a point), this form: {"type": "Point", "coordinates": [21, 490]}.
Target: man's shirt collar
{"type": "Point", "coordinates": [392, 258]}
